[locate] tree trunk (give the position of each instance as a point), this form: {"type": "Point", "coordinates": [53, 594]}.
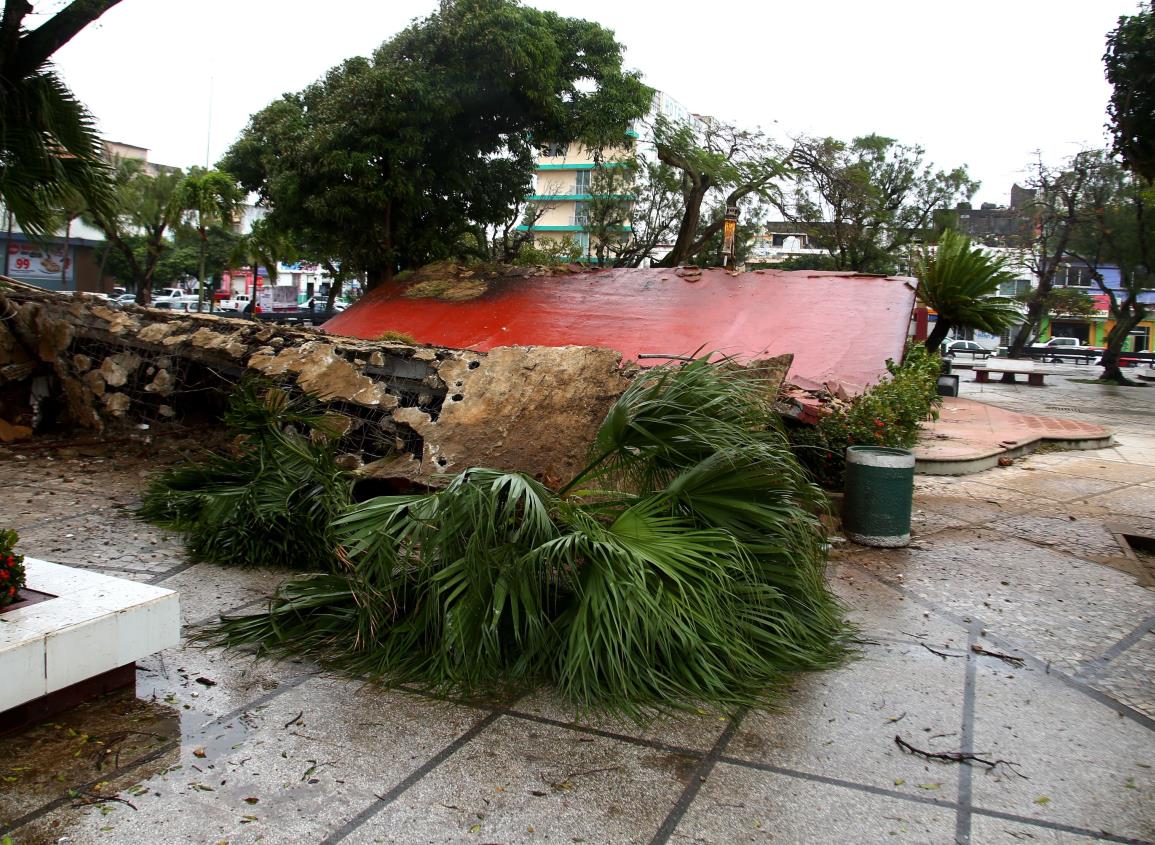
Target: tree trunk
{"type": "Point", "coordinates": [937, 334]}
{"type": "Point", "coordinates": [64, 257]}
{"type": "Point", "coordinates": [201, 270]}
{"type": "Point", "coordinates": [1036, 307]}
{"type": "Point", "coordinates": [1125, 321]}
{"type": "Point", "coordinates": [7, 243]}
{"type": "Point", "coordinates": [691, 216]}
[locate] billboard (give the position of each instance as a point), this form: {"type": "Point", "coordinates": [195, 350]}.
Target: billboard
{"type": "Point", "coordinates": [41, 265]}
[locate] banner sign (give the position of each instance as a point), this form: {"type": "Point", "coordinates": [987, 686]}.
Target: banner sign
{"type": "Point", "coordinates": [41, 265]}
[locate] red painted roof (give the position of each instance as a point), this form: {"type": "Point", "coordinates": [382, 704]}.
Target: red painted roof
{"type": "Point", "coordinates": [839, 326]}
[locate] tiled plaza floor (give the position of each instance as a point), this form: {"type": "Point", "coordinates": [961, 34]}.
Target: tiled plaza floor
{"type": "Point", "coordinates": [1013, 561]}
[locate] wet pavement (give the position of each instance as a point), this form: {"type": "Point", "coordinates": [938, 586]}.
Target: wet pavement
{"type": "Point", "coordinates": [1021, 563]}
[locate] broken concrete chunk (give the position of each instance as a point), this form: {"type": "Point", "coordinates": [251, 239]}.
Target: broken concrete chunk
{"type": "Point", "coordinates": [117, 403]}
{"type": "Point", "coordinates": [114, 374]}
{"type": "Point", "coordinates": [81, 363]}
{"type": "Point", "coordinates": [163, 384]}
{"type": "Point", "coordinates": [154, 332]}
{"type": "Point", "coordinates": [94, 381]}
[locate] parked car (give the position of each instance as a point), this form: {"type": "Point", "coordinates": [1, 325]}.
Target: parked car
{"type": "Point", "coordinates": [968, 348]}
{"type": "Point", "coordinates": [125, 299]}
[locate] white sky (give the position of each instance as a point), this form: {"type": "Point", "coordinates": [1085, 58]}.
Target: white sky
{"type": "Point", "coordinates": [983, 83]}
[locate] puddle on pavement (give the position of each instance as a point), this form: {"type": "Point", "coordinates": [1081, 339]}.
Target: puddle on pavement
{"type": "Point", "coordinates": [40, 764]}
{"type": "Point", "coordinates": [75, 752]}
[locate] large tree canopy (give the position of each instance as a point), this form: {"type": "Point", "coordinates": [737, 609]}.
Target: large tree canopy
{"type": "Point", "coordinates": [388, 161]}
{"type": "Point", "coordinates": [49, 149]}
{"type": "Point", "coordinates": [1130, 67]}
{"type": "Point", "coordinates": [868, 200]}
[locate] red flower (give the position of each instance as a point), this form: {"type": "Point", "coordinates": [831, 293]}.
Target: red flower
{"type": "Point", "coordinates": [11, 592]}
{"type": "Point", "coordinates": [4, 576]}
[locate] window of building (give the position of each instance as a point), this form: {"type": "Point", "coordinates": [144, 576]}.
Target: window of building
{"type": "Point", "coordinates": [1015, 287]}
{"type": "Point", "coordinates": [554, 150]}
{"type": "Point", "coordinates": [581, 214]}
{"type": "Point", "coordinates": [1076, 277]}
{"type": "Point", "coordinates": [582, 182]}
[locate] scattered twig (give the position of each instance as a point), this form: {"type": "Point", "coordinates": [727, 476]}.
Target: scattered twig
{"type": "Point", "coordinates": [1017, 662]}
{"type": "Point", "coordinates": [309, 771]}
{"type": "Point", "coordinates": [941, 654]}
{"type": "Point", "coordinates": [96, 798]}
{"type": "Point", "coordinates": [294, 720]}
{"type": "Point", "coordinates": [955, 756]}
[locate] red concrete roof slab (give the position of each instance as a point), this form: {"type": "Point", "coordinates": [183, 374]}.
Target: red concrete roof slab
{"type": "Point", "coordinates": [839, 326]}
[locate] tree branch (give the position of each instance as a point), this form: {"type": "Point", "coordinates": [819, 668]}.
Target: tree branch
{"type": "Point", "coordinates": [37, 46]}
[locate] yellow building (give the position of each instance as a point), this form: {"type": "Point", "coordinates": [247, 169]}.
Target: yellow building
{"type": "Point", "coordinates": [568, 178]}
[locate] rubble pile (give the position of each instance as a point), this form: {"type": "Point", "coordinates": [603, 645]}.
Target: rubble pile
{"type": "Point", "coordinates": [809, 401]}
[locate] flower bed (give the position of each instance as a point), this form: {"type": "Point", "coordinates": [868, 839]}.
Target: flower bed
{"type": "Point", "coordinates": [12, 574]}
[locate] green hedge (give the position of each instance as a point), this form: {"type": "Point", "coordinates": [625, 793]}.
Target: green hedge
{"type": "Point", "coordinates": [887, 414]}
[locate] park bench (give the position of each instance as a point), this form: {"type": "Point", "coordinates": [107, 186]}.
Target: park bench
{"type": "Point", "coordinates": [1009, 370]}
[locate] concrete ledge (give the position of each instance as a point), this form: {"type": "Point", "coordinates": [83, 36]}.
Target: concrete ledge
{"type": "Point", "coordinates": [978, 463]}
{"type": "Point", "coordinates": [94, 624]}
{"type": "Point", "coordinates": [971, 436]}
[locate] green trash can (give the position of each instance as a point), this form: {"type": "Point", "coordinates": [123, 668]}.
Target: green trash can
{"type": "Point", "coordinates": [879, 490]}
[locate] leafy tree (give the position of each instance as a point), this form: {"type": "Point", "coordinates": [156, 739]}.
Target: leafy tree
{"type": "Point", "coordinates": [867, 201]}
{"type": "Point", "coordinates": [1124, 217]}
{"type": "Point", "coordinates": [1118, 230]}
{"type": "Point", "coordinates": [1067, 302]}
{"type": "Point", "coordinates": [389, 162]}
{"type": "Point", "coordinates": [184, 259]}
{"type": "Point", "coordinates": [714, 161]}
{"type": "Point", "coordinates": [49, 149]}
{"type": "Point", "coordinates": [961, 282]}
{"type": "Point", "coordinates": [1058, 208]}
{"type": "Point", "coordinates": [211, 196]}
{"type": "Point", "coordinates": [266, 245]}
{"type": "Point", "coordinates": [147, 208]}
{"type": "Point", "coordinates": [610, 208]}
{"type": "Point", "coordinates": [1130, 67]}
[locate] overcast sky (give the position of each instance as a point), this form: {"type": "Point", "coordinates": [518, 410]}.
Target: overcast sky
{"type": "Point", "coordinates": [983, 83]}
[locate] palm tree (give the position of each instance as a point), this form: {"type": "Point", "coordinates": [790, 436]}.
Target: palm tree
{"type": "Point", "coordinates": [146, 208]}
{"type": "Point", "coordinates": [213, 197]}
{"type": "Point", "coordinates": [49, 148]}
{"type": "Point", "coordinates": [961, 282]}
{"type": "Point", "coordinates": [264, 244]}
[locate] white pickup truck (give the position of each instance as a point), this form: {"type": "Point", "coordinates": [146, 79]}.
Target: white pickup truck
{"type": "Point", "coordinates": [237, 302]}
{"type": "Point", "coordinates": [1061, 348]}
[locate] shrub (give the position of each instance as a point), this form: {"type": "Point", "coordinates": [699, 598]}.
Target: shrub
{"type": "Point", "coordinates": [888, 414]}
{"type": "Point", "coordinates": [11, 569]}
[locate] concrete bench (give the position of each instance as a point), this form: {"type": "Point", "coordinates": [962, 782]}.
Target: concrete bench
{"type": "Point", "coordinates": [1009, 370]}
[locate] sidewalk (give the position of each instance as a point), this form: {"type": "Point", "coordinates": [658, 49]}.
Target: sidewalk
{"type": "Point", "coordinates": [1017, 561]}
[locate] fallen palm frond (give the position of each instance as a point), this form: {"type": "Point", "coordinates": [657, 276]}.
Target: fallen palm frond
{"type": "Point", "coordinates": [682, 566]}
{"type": "Point", "coordinates": [271, 500]}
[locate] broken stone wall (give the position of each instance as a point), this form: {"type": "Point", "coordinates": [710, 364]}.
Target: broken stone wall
{"type": "Point", "coordinates": [415, 413]}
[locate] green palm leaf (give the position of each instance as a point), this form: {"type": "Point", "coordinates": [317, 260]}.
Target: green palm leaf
{"type": "Point", "coordinates": [682, 566]}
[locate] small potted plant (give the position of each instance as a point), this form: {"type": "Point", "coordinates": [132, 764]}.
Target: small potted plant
{"type": "Point", "coordinates": [11, 569]}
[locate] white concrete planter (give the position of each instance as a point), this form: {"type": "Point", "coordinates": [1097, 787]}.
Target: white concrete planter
{"type": "Point", "coordinates": [95, 623]}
